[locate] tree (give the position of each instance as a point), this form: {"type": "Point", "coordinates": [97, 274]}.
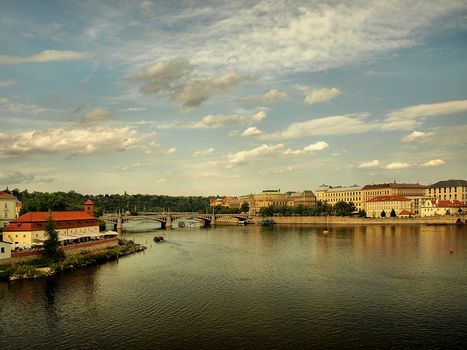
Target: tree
{"type": "Point", "coordinates": [393, 213]}
{"type": "Point", "coordinates": [245, 207]}
{"type": "Point", "coordinates": [52, 248]}
{"type": "Point", "coordinates": [383, 214]}
{"type": "Point", "coordinates": [362, 213]}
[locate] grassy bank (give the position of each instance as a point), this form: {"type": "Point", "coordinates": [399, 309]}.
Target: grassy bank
{"type": "Point", "coordinates": [43, 267]}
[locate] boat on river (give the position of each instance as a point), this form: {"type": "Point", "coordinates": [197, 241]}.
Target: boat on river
{"type": "Point", "coordinates": [158, 239]}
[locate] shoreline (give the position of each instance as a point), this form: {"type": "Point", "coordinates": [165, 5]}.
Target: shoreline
{"type": "Point", "coordinates": [342, 220]}
{"type": "Point", "coordinates": [40, 268]}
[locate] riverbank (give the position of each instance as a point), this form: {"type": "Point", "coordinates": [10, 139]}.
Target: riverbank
{"type": "Point", "coordinates": [41, 267]}
{"type": "Point", "coordinates": [339, 220]}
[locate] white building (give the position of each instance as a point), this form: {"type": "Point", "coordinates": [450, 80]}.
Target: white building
{"type": "Point", "coordinates": [8, 212]}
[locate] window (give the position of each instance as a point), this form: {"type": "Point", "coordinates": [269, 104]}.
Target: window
{"type": "Point", "coordinates": [2, 250]}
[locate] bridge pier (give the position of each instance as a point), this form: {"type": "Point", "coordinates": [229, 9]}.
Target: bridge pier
{"type": "Point", "coordinates": [213, 220]}
{"type": "Point", "coordinates": [168, 222]}
{"type": "Point", "coordinates": [119, 223]}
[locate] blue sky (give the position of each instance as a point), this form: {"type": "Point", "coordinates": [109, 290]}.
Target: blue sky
{"type": "Point", "coordinates": [213, 97]}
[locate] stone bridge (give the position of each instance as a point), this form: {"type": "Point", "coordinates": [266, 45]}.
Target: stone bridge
{"type": "Point", "coordinates": [166, 219]}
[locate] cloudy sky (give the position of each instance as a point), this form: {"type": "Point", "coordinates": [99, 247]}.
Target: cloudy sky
{"type": "Point", "coordinates": [230, 97]}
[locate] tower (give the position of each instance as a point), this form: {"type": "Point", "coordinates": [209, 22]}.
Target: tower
{"type": "Point", "coordinates": [89, 207]}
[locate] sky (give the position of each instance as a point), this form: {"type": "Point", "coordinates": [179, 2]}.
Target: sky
{"type": "Point", "coordinates": [230, 97]}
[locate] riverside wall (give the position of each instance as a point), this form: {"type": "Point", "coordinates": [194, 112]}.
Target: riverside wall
{"type": "Point", "coordinates": [338, 220]}
{"type": "Point", "coordinates": [69, 250]}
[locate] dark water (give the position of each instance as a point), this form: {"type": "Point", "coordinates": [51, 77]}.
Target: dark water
{"type": "Point", "coordinates": [255, 288]}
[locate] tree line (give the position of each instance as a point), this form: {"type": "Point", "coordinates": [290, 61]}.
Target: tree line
{"type": "Point", "coordinates": [109, 203]}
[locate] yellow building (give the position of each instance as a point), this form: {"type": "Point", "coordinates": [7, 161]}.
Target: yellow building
{"type": "Point", "coordinates": [448, 190]}
{"type": "Point", "coordinates": [267, 198]}
{"type": "Point", "coordinates": [332, 195]}
{"type": "Point", "coordinates": [415, 192]}
{"type": "Point", "coordinates": [306, 198]}
{"type": "Point", "coordinates": [29, 229]}
{"type": "Point", "coordinates": [402, 206]}
{"type": "Point", "coordinates": [8, 208]}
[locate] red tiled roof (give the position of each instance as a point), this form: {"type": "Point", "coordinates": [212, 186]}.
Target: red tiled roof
{"type": "Point", "coordinates": [89, 202]}
{"type": "Point", "coordinates": [36, 221]}
{"type": "Point", "coordinates": [6, 194]}
{"type": "Point", "coordinates": [389, 199]}
{"type": "Point", "coordinates": [448, 204]}
{"type": "Point", "coordinates": [405, 212]}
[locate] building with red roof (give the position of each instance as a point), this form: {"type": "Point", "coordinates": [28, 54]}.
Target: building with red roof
{"type": "Point", "coordinates": [375, 206]}
{"type": "Point", "coordinates": [29, 229]}
{"type": "Point", "coordinates": [435, 206]}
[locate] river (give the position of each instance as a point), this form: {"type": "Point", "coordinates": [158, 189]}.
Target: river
{"type": "Point", "coordinates": [229, 287]}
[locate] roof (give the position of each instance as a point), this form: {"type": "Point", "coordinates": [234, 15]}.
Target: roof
{"type": "Point", "coordinates": [405, 212]}
{"type": "Point", "coordinates": [6, 195]}
{"type": "Point", "coordinates": [37, 221]}
{"type": "Point", "coordinates": [449, 183]}
{"type": "Point", "coordinates": [448, 203]}
{"type": "Point", "coordinates": [89, 202]}
{"type": "Point", "coordinates": [43, 216]}
{"type": "Point", "coordinates": [393, 185]}
{"type": "Point", "coordinates": [389, 199]}
{"type": "Point", "coordinates": [344, 189]}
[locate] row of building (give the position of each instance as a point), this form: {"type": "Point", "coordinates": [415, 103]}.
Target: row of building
{"type": "Point", "coordinates": [406, 199]}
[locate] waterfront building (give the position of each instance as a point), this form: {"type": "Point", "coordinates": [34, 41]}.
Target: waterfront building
{"type": "Point", "coordinates": [8, 208]}
{"type": "Point", "coordinates": [267, 198]}
{"type": "Point", "coordinates": [306, 198]}
{"type": "Point", "coordinates": [403, 206]}
{"type": "Point", "coordinates": [5, 250]}
{"type": "Point", "coordinates": [29, 229]}
{"type": "Point", "coordinates": [415, 192]}
{"type": "Point", "coordinates": [226, 202]}
{"type": "Point", "coordinates": [448, 190]}
{"type": "Point", "coordinates": [332, 195]}
{"type": "Point", "coordinates": [436, 206]}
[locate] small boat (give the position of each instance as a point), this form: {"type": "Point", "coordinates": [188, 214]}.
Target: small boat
{"type": "Point", "coordinates": [158, 239]}
{"type": "Point", "coordinates": [181, 224]}
{"type": "Point", "coordinates": [267, 222]}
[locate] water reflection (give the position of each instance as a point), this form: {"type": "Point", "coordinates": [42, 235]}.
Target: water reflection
{"type": "Point", "coordinates": [254, 287]}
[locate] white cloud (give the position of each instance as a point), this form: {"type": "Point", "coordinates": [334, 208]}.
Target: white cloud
{"type": "Point", "coordinates": [409, 117]}
{"type": "Point", "coordinates": [133, 109]}
{"type": "Point", "coordinates": [212, 121]}
{"type": "Point", "coordinates": [9, 178]}
{"type": "Point", "coordinates": [205, 152]}
{"type": "Point", "coordinates": [263, 151]}
{"type": "Point", "coordinates": [313, 96]}
{"type": "Point", "coordinates": [251, 131]}
{"type": "Point", "coordinates": [397, 165]}
{"type": "Point", "coordinates": [312, 36]}
{"type": "Point", "coordinates": [369, 165]}
{"type": "Point", "coordinates": [433, 163]}
{"type": "Point", "coordinates": [318, 146]}
{"type": "Point", "coordinates": [77, 141]}
{"type": "Point", "coordinates": [128, 167]}
{"type": "Point", "coordinates": [159, 181]}
{"type": "Point", "coordinates": [212, 175]}
{"type": "Point", "coordinates": [171, 150]}
{"type": "Point", "coordinates": [14, 107]}
{"type": "Point", "coordinates": [333, 125]}
{"type": "Point", "coordinates": [417, 136]}
{"type": "Point", "coordinates": [45, 56]}
{"type": "Point", "coordinates": [5, 83]}
{"type": "Point", "coordinates": [97, 116]}
{"type": "Point", "coordinates": [270, 97]}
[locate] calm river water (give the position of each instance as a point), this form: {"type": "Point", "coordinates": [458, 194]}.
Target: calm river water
{"type": "Point", "coordinates": [283, 287]}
